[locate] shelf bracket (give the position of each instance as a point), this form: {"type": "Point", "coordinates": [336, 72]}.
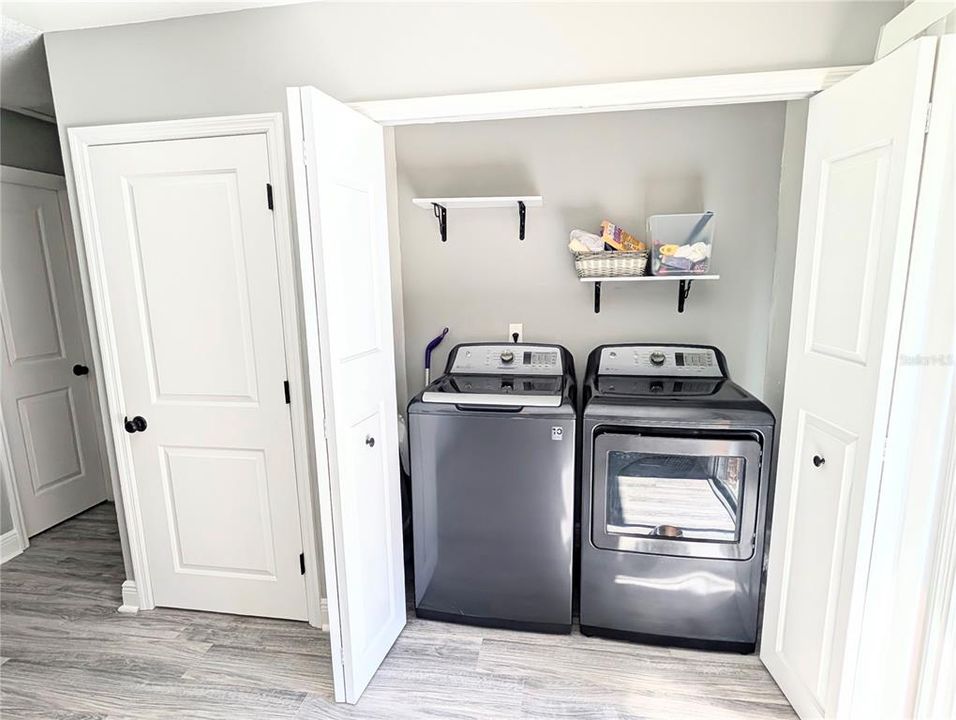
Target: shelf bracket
{"type": "Point", "coordinates": [521, 214]}
{"type": "Point", "coordinates": [597, 297]}
{"type": "Point", "coordinates": [442, 214]}
{"type": "Point", "coordinates": [682, 292]}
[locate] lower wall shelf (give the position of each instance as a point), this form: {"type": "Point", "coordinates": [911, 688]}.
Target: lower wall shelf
{"type": "Point", "coordinates": [683, 290]}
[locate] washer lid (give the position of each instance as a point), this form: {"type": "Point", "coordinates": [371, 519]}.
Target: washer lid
{"type": "Point", "coordinates": [496, 390]}
{"type": "Point", "coordinates": [691, 361]}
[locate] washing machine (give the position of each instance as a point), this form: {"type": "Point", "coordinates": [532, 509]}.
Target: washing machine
{"type": "Point", "coordinates": [677, 476]}
{"type": "Point", "coordinates": [492, 446]}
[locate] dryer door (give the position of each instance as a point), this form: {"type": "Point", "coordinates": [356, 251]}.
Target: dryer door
{"type": "Point", "coordinates": [687, 496]}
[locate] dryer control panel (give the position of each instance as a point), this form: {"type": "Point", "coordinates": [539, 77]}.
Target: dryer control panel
{"type": "Point", "coordinates": [507, 359]}
{"type": "Point", "coordinates": [660, 361]}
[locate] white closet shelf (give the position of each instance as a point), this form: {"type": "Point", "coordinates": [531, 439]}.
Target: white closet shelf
{"type": "Point", "coordinates": [683, 289]}
{"type": "Point", "coordinates": [650, 278]}
{"type": "Point", "coordinates": [459, 203]}
{"type": "Point", "coordinates": [441, 205]}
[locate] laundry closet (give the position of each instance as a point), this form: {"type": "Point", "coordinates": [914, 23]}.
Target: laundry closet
{"type": "Point", "coordinates": [479, 195]}
{"type": "Point", "coordinates": [485, 210]}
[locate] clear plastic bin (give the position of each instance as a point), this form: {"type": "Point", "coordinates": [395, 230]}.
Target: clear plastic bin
{"type": "Point", "coordinates": [681, 244]}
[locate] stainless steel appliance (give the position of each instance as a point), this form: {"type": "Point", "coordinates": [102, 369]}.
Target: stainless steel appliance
{"type": "Point", "coordinates": [492, 453]}
{"type": "Point", "coordinates": [676, 463]}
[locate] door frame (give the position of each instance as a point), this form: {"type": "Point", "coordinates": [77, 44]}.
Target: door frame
{"type": "Point", "coordinates": [15, 540]}
{"type": "Point", "coordinates": [677, 92]}
{"type": "Point", "coordinates": [138, 593]}
{"type": "Point", "coordinates": [56, 183]}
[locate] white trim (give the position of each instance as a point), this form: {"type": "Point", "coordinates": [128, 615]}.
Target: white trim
{"type": "Point", "coordinates": [935, 672]}
{"type": "Point", "coordinates": [32, 178]}
{"type": "Point", "coordinates": [10, 545]}
{"type": "Point", "coordinates": [772, 86]}
{"type": "Point", "coordinates": [13, 495]}
{"type": "Point", "coordinates": [936, 684]}
{"type": "Point", "coordinates": [94, 385]}
{"type": "Point", "coordinates": [81, 140]}
{"type": "Point", "coordinates": [111, 467]}
{"type": "Point", "coordinates": [295, 367]}
{"type": "Point", "coordinates": [456, 203]}
{"type": "Point", "coordinates": [131, 602]}
{"type": "Point", "coordinates": [313, 369]}
{"type": "Point", "coordinates": [186, 129]}
{"type": "Point", "coordinates": [911, 21]}
{"type": "Point", "coordinates": [42, 117]}
{"type": "Point", "coordinates": [324, 615]}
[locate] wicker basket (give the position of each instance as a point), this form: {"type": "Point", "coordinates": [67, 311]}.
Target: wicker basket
{"type": "Point", "coordinates": [610, 263]}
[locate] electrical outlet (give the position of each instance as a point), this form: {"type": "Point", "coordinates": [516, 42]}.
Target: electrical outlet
{"type": "Point", "coordinates": [516, 332]}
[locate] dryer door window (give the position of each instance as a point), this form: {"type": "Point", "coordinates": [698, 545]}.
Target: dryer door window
{"type": "Point", "coordinates": [675, 496]}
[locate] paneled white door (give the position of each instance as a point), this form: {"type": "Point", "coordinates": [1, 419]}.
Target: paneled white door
{"type": "Point", "coordinates": [860, 185]}
{"type": "Point", "coordinates": [45, 390]}
{"type": "Point", "coordinates": [339, 163]}
{"type": "Point", "coordinates": [193, 296]}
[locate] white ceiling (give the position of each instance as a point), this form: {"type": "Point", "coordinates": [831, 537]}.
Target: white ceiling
{"type": "Point", "coordinates": [52, 15]}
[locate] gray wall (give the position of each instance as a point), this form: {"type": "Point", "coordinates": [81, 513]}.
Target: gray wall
{"type": "Point", "coordinates": [241, 61]}
{"type": "Point", "coordinates": [620, 166]}
{"type": "Point", "coordinates": [6, 522]}
{"type": "Point", "coordinates": [28, 143]}
{"type": "Point", "coordinates": [791, 178]}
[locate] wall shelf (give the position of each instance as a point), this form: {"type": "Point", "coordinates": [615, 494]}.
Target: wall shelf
{"type": "Point", "coordinates": [683, 290]}
{"type": "Point", "coordinates": [441, 206]}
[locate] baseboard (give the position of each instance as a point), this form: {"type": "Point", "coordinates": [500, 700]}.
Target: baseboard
{"type": "Point", "coordinates": [10, 546]}
{"type": "Point", "coordinates": [130, 598]}
{"type": "Point", "coordinates": [324, 614]}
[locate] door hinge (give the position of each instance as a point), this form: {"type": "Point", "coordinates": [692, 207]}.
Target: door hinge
{"type": "Point", "coordinates": [288, 394]}
{"type": "Point", "coordinates": [269, 196]}
{"type": "Point", "coordinates": [302, 563]}
{"type": "Point", "coordinates": [929, 115]}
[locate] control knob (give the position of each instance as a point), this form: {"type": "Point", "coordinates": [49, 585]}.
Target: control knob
{"type": "Point", "coordinates": [658, 358]}
{"type": "Point", "coordinates": [507, 357]}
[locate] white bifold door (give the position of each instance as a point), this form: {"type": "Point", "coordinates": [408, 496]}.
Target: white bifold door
{"type": "Point", "coordinates": [860, 185]}
{"type": "Point", "coordinates": [45, 377]}
{"type": "Point", "coordinates": [339, 171]}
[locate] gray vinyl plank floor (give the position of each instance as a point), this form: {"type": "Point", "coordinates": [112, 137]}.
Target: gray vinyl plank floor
{"type": "Point", "coordinates": [65, 653]}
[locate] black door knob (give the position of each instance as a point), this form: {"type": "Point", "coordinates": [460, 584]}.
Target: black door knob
{"type": "Point", "coordinates": [818, 461]}
{"type": "Point", "coordinates": [80, 370]}
{"type": "Point", "coordinates": [370, 441]}
{"type": "Point", "coordinates": [137, 424]}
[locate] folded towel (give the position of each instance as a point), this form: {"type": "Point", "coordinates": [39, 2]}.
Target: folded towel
{"type": "Point", "coordinates": [583, 241]}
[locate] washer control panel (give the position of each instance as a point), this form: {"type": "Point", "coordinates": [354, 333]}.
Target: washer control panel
{"type": "Point", "coordinates": [507, 359]}
{"type": "Point", "coordinates": [660, 361]}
